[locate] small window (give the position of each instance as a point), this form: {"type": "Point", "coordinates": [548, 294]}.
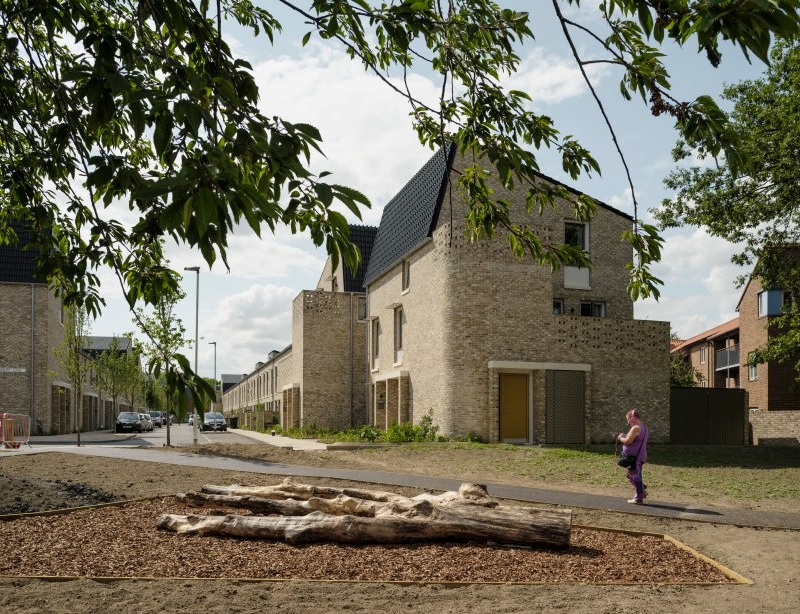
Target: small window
{"type": "Point", "coordinates": [558, 306]}
{"type": "Point", "coordinates": [703, 355]}
{"type": "Point", "coordinates": [362, 307]}
{"type": "Point", "coordinates": [576, 234]}
{"type": "Point", "coordinates": [752, 368]}
{"type": "Point", "coordinates": [335, 284]}
{"type": "Point", "coordinates": [406, 274]}
{"type": "Point", "coordinates": [593, 309]}
{"type": "Point", "coordinates": [376, 335]}
{"type": "Point", "coordinates": [398, 334]}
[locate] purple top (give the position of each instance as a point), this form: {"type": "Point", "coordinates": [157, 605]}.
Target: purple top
{"type": "Point", "coordinates": [638, 447]}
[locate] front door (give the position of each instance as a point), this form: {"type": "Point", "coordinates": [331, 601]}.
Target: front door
{"type": "Point", "coordinates": [514, 407]}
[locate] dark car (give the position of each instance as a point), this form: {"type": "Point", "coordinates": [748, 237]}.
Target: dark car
{"type": "Point", "coordinates": [214, 421]}
{"type": "Point", "coordinates": [129, 421]}
{"type": "Point", "coordinates": [157, 419]}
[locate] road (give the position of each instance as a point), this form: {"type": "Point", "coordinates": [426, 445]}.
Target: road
{"type": "Point", "coordinates": [183, 435]}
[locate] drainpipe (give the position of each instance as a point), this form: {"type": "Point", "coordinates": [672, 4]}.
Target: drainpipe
{"type": "Point", "coordinates": [33, 364]}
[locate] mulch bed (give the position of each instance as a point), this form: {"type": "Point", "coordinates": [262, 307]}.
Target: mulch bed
{"type": "Point", "coordinates": [123, 542]}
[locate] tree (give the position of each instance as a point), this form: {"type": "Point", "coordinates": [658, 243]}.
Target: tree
{"type": "Point", "coordinates": [143, 105]}
{"type": "Point", "coordinates": [72, 358]}
{"type": "Point", "coordinates": [760, 206]}
{"type": "Point", "coordinates": [164, 364]}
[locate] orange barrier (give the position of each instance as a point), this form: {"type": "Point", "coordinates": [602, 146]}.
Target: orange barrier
{"type": "Point", "coordinates": [15, 430]}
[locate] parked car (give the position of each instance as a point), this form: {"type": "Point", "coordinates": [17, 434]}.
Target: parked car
{"type": "Point", "coordinates": [157, 419]}
{"type": "Point", "coordinates": [129, 421]}
{"type": "Point", "coordinates": [147, 422]}
{"type": "Point", "coordinates": [191, 419]}
{"type": "Point", "coordinates": [214, 421]}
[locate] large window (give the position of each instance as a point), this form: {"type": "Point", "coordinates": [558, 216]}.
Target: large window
{"type": "Point", "coordinates": [770, 303]}
{"type": "Point", "coordinates": [577, 234]}
{"type": "Point", "coordinates": [398, 334]}
{"type": "Point", "coordinates": [593, 308]}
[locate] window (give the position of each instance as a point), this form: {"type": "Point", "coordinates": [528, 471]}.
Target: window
{"type": "Point", "coordinates": [376, 335]}
{"type": "Point", "coordinates": [577, 234]}
{"type": "Point", "coordinates": [752, 368]}
{"type": "Point", "coordinates": [335, 284]}
{"type": "Point", "coordinates": [770, 302]}
{"type": "Point", "coordinates": [362, 307]}
{"type": "Point", "coordinates": [593, 309]}
{"type": "Point", "coordinates": [398, 334]}
{"type": "Point", "coordinates": [406, 274]}
{"type": "Point", "coordinates": [703, 355]}
{"type": "Point", "coordinates": [558, 306]}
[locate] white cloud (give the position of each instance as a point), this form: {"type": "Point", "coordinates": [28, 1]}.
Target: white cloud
{"type": "Point", "coordinates": [249, 325]}
{"type": "Point", "coordinates": [365, 126]}
{"type": "Point", "coordinates": [549, 78]}
{"type": "Point", "coordinates": [699, 289]}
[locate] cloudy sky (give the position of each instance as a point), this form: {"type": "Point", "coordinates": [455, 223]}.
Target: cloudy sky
{"type": "Point", "coordinates": [369, 145]}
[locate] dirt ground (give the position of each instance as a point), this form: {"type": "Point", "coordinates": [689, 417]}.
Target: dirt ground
{"type": "Point", "coordinates": [770, 558]}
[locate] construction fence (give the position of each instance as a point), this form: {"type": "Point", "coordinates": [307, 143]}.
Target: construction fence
{"type": "Point", "coordinates": [15, 430]}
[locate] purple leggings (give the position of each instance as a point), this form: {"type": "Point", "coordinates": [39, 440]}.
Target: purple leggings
{"type": "Point", "coordinates": [635, 478]}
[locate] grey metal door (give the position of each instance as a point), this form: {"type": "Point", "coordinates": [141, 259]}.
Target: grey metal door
{"type": "Point", "coordinates": [565, 393]}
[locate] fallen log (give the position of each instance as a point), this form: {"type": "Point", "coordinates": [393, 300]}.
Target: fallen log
{"type": "Point", "coordinates": [352, 516]}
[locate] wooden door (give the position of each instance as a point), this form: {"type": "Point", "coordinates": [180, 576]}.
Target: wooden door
{"type": "Point", "coordinates": [514, 407]}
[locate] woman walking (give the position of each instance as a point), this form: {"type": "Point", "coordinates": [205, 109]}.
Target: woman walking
{"type": "Point", "coordinates": [635, 443]}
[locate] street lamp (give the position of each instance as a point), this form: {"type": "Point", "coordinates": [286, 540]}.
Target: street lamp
{"type": "Point", "coordinates": [214, 343]}
{"type": "Point", "coordinates": [196, 269]}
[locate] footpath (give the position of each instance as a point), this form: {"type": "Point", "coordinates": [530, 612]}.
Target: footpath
{"type": "Point", "coordinates": [102, 444]}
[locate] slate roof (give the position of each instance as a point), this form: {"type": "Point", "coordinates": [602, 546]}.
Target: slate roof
{"type": "Point", "coordinates": [97, 345]}
{"type": "Point", "coordinates": [18, 265]}
{"type": "Point", "coordinates": [364, 238]}
{"type": "Point", "coordinates": [410, 217]}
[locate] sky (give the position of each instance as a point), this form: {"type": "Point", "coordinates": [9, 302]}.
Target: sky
{"type": "Point", "coordinates": [369, 145]}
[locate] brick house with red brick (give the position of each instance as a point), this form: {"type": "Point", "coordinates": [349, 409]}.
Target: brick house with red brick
{"type": "Point", "coordinates": [720, 357]}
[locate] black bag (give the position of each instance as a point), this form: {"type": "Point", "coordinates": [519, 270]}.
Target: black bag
{"type": "Point", "coordinates": [627, 460]}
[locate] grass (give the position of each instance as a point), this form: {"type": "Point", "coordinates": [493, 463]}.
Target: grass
{"type": "Point", "coordinates": [727, 475]}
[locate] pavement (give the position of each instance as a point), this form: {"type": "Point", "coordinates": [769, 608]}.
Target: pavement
{"type": "Point", "coordinates": [700, 511]}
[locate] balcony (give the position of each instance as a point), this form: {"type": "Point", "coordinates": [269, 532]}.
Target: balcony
{"type": "Point", "coordinates": [727, 358]}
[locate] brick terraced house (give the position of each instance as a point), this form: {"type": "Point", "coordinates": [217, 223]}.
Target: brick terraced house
{"type": "Point", "coordinates": [481, 341]}
{"type": "Point", "coordinates": [720, 357]}
{"type": "Point", "coordinates": [32, 380]}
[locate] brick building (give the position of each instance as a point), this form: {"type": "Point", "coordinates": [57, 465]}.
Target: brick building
{"type": "Point", "coordinates": [482, 341]}
{"type": "Point", "coordinates": [721, 356]}
{"type": "Point", "coordinates": [31, 326]}
{"type": "Point", "coordinates": [32, 380]}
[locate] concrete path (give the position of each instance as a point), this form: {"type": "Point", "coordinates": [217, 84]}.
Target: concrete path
{"type": "Point", "coordinates": [697, 512]}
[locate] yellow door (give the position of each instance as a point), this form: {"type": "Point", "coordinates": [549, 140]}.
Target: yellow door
{"type": "Point", "coordinates": [514, 407]}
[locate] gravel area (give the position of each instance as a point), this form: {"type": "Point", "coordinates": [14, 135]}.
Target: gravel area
{"type": "Point", "coordinates": [122, 541]}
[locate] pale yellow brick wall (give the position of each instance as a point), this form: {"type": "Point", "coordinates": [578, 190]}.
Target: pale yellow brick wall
{"type": "Point", "coordinates": [470, 304]}
{"type": "Point", "coordinates": [332, 378]}
{"type": "Point", "coordinates": [30, 325]}
{"type": "Point", "coordinates": [425, 332]}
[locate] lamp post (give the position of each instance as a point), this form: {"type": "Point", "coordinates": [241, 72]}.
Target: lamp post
{"type": "Point", "coordinates": [196, 269]}
{"type": "Point", "coordinates": [214, 343]}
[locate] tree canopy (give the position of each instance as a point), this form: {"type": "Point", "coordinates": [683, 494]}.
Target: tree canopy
{"type": "Point", "coordinates": [758, 207]}
{"type": "Point", "coordinates": [142, 105]}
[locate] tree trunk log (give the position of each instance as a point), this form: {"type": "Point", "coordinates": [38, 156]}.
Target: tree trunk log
{"type": "Point", "coordinates": [355, 516]}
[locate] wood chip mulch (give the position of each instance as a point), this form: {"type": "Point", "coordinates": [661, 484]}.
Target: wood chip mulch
{"type": "Point", "coordinates": [123, 542]}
